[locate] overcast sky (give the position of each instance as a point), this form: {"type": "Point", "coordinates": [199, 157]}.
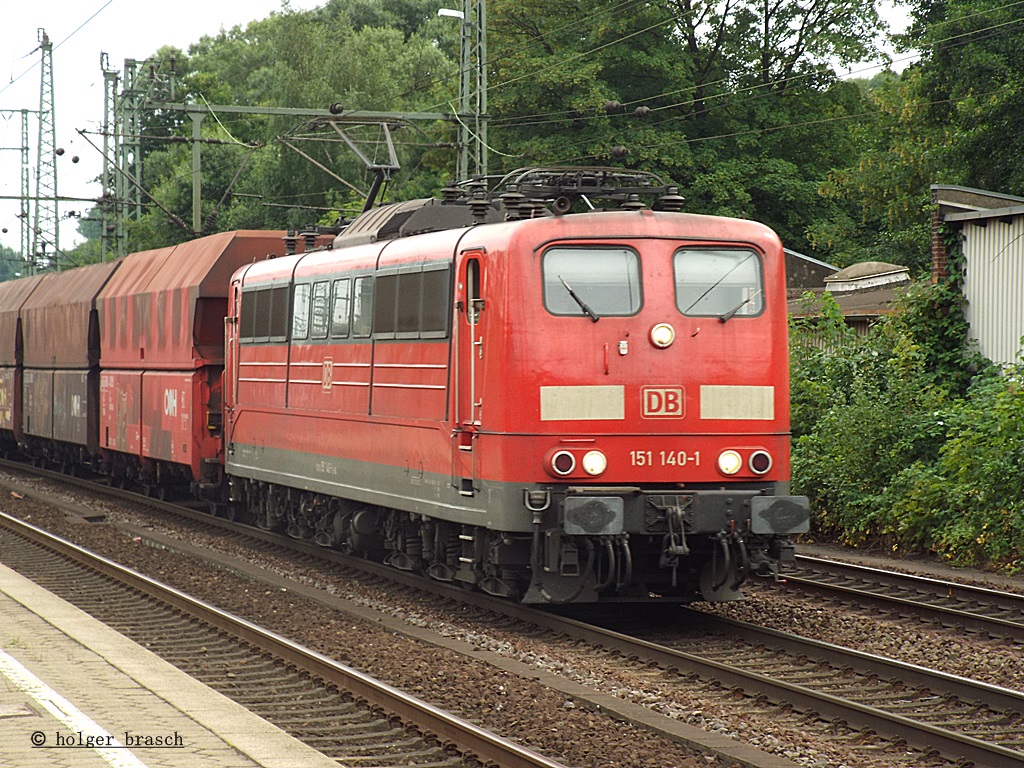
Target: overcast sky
{"type": "Point", "coordinates": [80, 32]}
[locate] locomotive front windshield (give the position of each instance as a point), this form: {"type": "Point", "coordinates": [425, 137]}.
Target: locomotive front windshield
{"type": "Point", "coordinates": [598, 282]}
{"type": "Point", "coordinates": [718, 282]}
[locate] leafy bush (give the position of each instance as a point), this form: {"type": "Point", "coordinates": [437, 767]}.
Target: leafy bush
{"type": "Point", "coordinates": [905, 438]}
{"type": "Point", "coordinates": [973, 495]}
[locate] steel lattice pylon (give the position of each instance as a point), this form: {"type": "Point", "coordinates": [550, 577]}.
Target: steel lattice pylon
{"type": "Point", "coordinates": [26, 190]}
{"type": "Point", "coordinates": [45, 223]}
{"type": "Point", "coordinates": [124, 97]}
{"type": "Point", "coordinates": [473, 90]}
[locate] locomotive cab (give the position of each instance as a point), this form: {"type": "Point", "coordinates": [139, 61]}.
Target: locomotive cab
{"type": "Point", "coordinates": [626, 373]}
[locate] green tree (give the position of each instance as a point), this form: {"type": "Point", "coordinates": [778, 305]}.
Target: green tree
{"type": "Point", "coordinates": [867, 408]}
{"type": "Point", "coordinates": [12, 264]}
{"type": "Point", "coordinates": [748, 121]}
{"type": "Point", "coordinates": [252, 177]}
{"type": "Point", "coordinates": [886, 179]}
{"type": "Point", "coordinates": [567, 81]}
{"type": "Point", "coordinates": [971, 73]}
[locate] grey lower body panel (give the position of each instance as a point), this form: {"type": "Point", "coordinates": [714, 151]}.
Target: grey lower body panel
{"type": "Point", "coordinates": [497, 506]}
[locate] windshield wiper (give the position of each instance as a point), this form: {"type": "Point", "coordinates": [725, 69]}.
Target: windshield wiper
{"type": "Point", "coordinates": [717, 283]}
{"type": "Point", "coordinates": [728, 315]}
{"type": "Point", "coordinates": [583, 305]}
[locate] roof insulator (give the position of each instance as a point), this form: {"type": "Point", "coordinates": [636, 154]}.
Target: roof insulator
{"type": "Point", "coordinates": [671, 200]}
{"type": "Point", "coordinates": [291, 242]}
{"type": "Point", "coordinates": [632, 203]}
{"type": "Point", "coordinates": [450, 193]}
{"type": "Point", "coordinates": [512, 199]}
{"type": "Point", "coordinates": [479, 206]}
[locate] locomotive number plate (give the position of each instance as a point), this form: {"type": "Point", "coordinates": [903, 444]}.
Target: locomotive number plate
{"type": "Point", "coordinates": [664, 458]}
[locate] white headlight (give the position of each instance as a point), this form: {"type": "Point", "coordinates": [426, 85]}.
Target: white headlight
{"type": "Point", "coordinates": [729, 462]}
{"type": "Point", "coordinates": [595, 463]}
{"type": "Point", "coordinates": [662, 335]}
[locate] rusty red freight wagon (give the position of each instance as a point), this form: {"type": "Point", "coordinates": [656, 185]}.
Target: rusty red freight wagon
{"type": "Point", "coordinates": [13, 295]}
{"type": "Point", "coordinates": [61, 365]}
{"type": "Point", "coordinates": [161, 325]}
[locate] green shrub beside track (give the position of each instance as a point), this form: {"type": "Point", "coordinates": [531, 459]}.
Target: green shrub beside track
{"type": "Point", "coordinates": [906, 438]}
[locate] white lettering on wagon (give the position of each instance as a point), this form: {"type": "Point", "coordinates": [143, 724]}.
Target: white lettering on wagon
{"type": "Point", "coordinates": [171, 402]}
{"type": "Point", "coordinates": [326, 468]}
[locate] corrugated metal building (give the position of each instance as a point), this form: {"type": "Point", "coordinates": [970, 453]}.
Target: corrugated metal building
{"type": "Point", "coordinates": [991, 229]}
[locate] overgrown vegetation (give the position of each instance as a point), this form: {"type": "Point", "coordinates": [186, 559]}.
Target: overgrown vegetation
{"type": "Point", "coordinates": [905, 438]}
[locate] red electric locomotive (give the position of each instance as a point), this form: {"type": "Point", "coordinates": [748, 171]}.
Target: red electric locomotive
{"type": "Point", "coordinates": [549, 406]}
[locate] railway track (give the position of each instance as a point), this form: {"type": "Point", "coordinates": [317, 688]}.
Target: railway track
{"type": "Point", "coordinates": [963, 721]}
{"type": "Point", "coordinates": [343, 713]}
{"type": "Point", "coordinates": [966, 607]}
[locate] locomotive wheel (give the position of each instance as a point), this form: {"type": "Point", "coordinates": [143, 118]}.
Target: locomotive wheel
{"type": "Point", "coordinates": [339, 529]}
{"type": "Point", "coordinates": [232, 511]}
{"type": "Point", "coordinates": [716, 583]}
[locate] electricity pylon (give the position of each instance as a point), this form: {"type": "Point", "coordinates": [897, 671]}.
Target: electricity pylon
{"type": "Point", "coordinates": [45, 223]}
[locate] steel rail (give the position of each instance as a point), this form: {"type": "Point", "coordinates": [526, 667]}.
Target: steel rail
{"type": "Point", "coordinates": [442, 725]}
{"type": "Point", "coordinates": [917, 733]}
{"type": "Point", "coordinates": [915, 588]}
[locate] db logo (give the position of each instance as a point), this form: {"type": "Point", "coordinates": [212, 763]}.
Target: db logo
{"type": "Point", "coordinates": [327, 374]}
{"type": "Point", "coordinates": [662, 402]}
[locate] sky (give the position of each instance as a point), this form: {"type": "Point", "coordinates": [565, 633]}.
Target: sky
{"type": "Point", "coordinates": [80, 32]}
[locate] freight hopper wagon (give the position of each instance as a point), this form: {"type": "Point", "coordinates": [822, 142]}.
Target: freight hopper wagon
{"type": "Point", "coordinates": [161, 327]}
{"type": "Point", "coordinates": [13, 294]}
{"type": "Point", "coordinates": [566, 407]}
{"type": "Point", "coordinates": [117, 366]}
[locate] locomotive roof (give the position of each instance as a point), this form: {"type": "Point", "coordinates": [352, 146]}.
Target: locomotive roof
{"type": "Point", "coordinates": [526, 193]}
{"type": "Point", "coordinates": [413, 217]}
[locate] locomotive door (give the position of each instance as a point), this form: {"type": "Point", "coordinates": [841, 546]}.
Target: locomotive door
{"type": "Point", "coordinates": [231, 358]}
{"type": "Point", "coordinates": [469, 356]}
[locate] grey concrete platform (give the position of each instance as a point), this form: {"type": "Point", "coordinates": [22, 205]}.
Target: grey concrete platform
{"type": "Point", "coordinates": [76, 694]}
